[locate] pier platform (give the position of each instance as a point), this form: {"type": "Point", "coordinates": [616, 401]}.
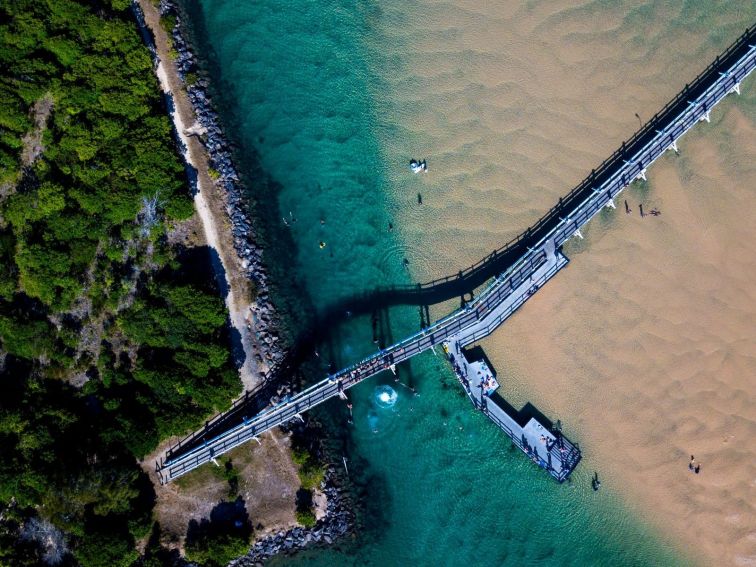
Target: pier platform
{"type": "Point", "coordinates": [536, 436]}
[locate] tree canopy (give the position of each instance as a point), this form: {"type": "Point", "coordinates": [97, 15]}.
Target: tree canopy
{"type": "Point", "coordinates": [104, 348]}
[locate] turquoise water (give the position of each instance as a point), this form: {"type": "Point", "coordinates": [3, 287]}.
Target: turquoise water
{"type": "Point", "coordinates": [443, 485]}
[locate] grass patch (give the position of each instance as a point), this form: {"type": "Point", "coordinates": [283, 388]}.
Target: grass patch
{"type": "Point", "coordinates": [311, 472]}
{"type": "Point", "coordinates": [209, 473]}
{"type": "Point", "coordinates": [306, 518]}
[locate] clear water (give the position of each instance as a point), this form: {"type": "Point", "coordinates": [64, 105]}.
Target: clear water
{"type": "Point", "coordinates": [444, 486]}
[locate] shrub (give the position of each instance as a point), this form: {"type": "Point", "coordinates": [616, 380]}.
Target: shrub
{"type": "Point", "coordinates": [310, 472]}
{"type": "Point", "coordinates": [306, 518]}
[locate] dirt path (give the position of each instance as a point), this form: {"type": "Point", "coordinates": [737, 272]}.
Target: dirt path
{"type": "Point", "coordinates": [210, 201]}
{"type": "Point", "coordinates": [268, 477]}
{"type": "Point", "coordinates": [32, 142]}
{"type": "Point", "coordinates": [268, 483]}
{"type": "Point", "coordinates": [32, 146]}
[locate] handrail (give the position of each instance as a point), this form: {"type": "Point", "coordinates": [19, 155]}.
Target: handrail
{"type": "Point", "coordinates": [599, 188]}
{"type": "Point", "coordinates": [690, 89]}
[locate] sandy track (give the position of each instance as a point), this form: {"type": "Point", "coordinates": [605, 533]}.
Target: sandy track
{"type": "Point", "coordinates": [209, 201]}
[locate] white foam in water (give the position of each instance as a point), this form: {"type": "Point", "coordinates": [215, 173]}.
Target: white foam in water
{"type": "Point", "coordinates": [385, 396]}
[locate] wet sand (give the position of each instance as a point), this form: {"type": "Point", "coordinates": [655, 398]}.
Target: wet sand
{"type": "Point", "coordinates": [643, 346]}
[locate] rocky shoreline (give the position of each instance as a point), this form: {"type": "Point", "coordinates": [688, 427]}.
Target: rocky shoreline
{"type": "Point", "coordinates": [339, 518]}
{"type": "Point", "coordinates": [271, 350]}
{"type": "Point", "coordinates": [337, 523]}
{"type": "Point", "coordinates": [269, 346]}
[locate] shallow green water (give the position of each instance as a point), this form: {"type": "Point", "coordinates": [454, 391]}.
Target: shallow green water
{"type": "Point", "coordinates": [444, 485]}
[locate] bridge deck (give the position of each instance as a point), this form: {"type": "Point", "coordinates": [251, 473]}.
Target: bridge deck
{"type": "Point", "coordinates": [508, 291]}
{"type": "Point", "coordinates": [548, 449]}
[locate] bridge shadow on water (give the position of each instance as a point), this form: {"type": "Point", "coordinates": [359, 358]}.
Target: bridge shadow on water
{"type": "Point", "coordinates": [321, 331]}
{"type": "Point", "coordinates": [463, 284]}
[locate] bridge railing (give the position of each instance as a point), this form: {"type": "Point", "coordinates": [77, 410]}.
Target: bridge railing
{"type": "Point", "coordinates": [519, 301]}
{"type": "Point", "coordinates": [410, 346]}
{"type": "Point", "coordinates": [737, 69]}
{"type": "Point", "coordinates": [615, 183]}
{"type": "Point", "coordinates": [693, 89]}
{"type": "Point", "coordinates": [663, 140]}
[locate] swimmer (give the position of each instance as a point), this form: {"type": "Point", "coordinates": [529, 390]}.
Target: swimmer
{"type": "Point", "coordinates": [322, 244]}
{"type": "Point", "coordinates": [391, 227]}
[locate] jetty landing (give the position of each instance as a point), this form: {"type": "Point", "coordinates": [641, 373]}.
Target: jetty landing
{"type": "Point", "coordinates": [532, 433]}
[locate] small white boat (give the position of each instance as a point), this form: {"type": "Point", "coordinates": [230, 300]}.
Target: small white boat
{"type": "Point", "coordinates": [418, 166]}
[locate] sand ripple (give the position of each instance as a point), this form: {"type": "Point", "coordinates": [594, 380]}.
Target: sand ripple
{"type": "Point", "coordinates": [644, 345]}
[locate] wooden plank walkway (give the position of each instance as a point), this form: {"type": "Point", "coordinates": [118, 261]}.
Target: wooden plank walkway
{"type": "Point", "coordinates": [505, 294]}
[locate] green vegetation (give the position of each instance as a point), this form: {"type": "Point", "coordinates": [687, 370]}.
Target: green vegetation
{"type": "Point", "coordinates": [311, 472]}
{"type": "Point", "coordinates": [109, 342]}
{"type": "Point", "coordinates": [217, 548]}
{"type": "Point", "coordinates": [215, 542]}
{"type": "Point", "coordinates": [306, 518]}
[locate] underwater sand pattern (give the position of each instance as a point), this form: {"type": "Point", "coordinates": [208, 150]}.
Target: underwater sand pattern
{"type": "Point", "coordinates": [644, 345]}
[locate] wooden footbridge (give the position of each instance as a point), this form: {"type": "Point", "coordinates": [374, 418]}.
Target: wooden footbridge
{"type": "Point", "coordinates": [539, 258]}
